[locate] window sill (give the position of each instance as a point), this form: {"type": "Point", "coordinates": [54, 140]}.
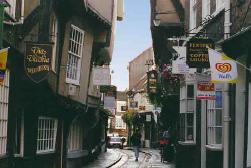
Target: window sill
{"type": "Point", "coordinates": [73, 82]}
{"type": "Point", "coordinates": [18, 155]}
{"type": "Point", "coordinates": [76, 154]}
{"type": "Point", "coordinates": [3, 156]}
{"type": "Point", "coordinates": [45, 153]}
{"type": "Point", "coordinates": [186, 143]}
{"type": "Point", "coordinates": [214, 147]}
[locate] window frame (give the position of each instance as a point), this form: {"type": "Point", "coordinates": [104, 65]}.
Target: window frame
{"type": "Point", "coordinates": [220, 5]}
{"type": "Point", "coordinates": [211, 120]}
{"type": "Point", "coordinates": [41, 139]}
{"type": "Point", "coordinates": [121, 124]}
{"type": "Point", "coordinates": [74, 77]}
{"type": "Point", "coordinates": [4, 103]}
{"type": "Point", "coordinates": [75, 137]}
{"type": "Point", "coordinates": [193, 15]}
{"type": "Point", "coordinates": [54, 40]}
{"type": "Point", "coordinates": [205, 8]}
{"type": "Point", "coordinates": [184, 111]}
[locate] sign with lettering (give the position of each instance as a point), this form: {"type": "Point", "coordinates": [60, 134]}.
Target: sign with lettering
{"type": "Point", "coordinates": [37, 61]}
{"type": "Point", "coordinates": [205, 91]}
{"type": "Point", "coordinates": [197, 52]}
{"type": "Point", "coordinates": [152, 81]}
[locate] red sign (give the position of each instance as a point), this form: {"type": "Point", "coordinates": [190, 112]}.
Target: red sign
{"type": "Point", "coordinates": [205, 91]}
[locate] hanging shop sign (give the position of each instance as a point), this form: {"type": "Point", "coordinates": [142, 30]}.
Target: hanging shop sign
{"type": "Point", "coordinates": [205, 91]}
{"type": "Point", "coordinates": [112, 91]}
{"type": "Point", "coordinates": [101, 76]}
{"type": "Point", "coordinates": [37, 61]}
{"type": "Point", "coordinates": [152, 81]}
{"type": "Point", "coordinates": [179, 65]}
{"type": "Point", "coordinates": [148, 118]}
{"type": "Point", "coordinates": [109, 102]}
{"type": "Point", "coordinates": [223, 68]}
{"type": "Point", "coordinates": [3, 63]}
{"type": "Point", "coordinates": [197, 52]}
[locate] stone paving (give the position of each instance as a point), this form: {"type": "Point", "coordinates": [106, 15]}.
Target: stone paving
{"type": "Point", "coordinates": [105, 159]}
{"type": "Point", "coordinates": [127, 159]}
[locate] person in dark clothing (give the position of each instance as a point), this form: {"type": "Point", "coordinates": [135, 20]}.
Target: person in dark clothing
{"type": "Point", "coordinates": [135, 139]}
{"type": "Point", "coordinates": [122, 141]}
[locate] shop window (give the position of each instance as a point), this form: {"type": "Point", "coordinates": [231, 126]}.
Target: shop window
{"type": "Point", "coordinates": [4, 101]}
{"type": "Point", "coordinates": [187, 113]}
{"type": "Point", "coordinates": [47, 131]}
{"type": "Point", "coordinates": [214, 121]}
{"type": "Point", "coordinates": [75, 53]}
{"type": "Point", "coordinates": [75, 139]}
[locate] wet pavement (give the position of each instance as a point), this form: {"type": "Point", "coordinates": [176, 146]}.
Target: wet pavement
{"type": "Point", "coordinates": [117, 158]}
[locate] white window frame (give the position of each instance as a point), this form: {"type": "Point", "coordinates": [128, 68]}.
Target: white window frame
{"type": "Point", "coordinates": [212, 124]}
{"type": "Point", "coordinates": [4, 102]}
{"type": "Point", "coordinates": [19, 135]}
{"type": "Point", "coordinates": [205, 9]}
{"type": "Point", "coordinates": [75, 138]}
{"type": "Point", "coordinates": [193, 14]}
{"type": "Point", "coordinates": [119, 123]}
{"type": "Point", "coordinates": [54, 33]}
{"type": "Point", "coordinates": [184, 110]}
{"type": "Point", "coordinates": [220, 5]}
{"type": "Point", "coordinates": [75, 52]}
{"type": "Point", "coordinates": [11, 10]}
{"type": "Point", "coordinates": [46, 135]}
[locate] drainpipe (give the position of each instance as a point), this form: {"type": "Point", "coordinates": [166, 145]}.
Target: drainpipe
{"type": "Point", "coordinates": [245, 152]}
{"type": "Point", "coordinates": [21, 20]}
{"type": "Point", "coordinates": [226, 118]}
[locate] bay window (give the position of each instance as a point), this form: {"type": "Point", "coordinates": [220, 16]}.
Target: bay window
{"type": "Point", "coordinates": [75, 53]}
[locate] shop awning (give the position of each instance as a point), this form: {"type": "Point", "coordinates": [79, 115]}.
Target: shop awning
{"type": "Point", "coordinates": [238, 44]}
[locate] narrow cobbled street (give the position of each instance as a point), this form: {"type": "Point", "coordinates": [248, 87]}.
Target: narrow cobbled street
{"type": "Point", "coordinates": [117, 158]}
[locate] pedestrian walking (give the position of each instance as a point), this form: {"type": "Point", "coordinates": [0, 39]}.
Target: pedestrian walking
{"type": "Point", "coordinates": [135, 139]}
{"type": "Point", "coordinates": [122, 142]}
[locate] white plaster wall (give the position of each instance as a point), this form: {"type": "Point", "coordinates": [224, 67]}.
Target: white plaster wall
{"type": "Point", "coordinates": [240, 114]}
{"type": "Point", "coordinates": [119, 104]}
{"type": "Point", "coordinates": [249, 128]}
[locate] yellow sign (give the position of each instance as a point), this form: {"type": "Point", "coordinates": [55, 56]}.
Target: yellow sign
{"type": "Point", "coordinates": [3, 58]}
{"type": "Point", "coordinates": [3, 62]}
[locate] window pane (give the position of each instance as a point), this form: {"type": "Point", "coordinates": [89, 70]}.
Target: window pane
{"type": "Point", "coordinates": [190, 133]}
{"type": "Point", "coordinates": [218, 117]}
{"type": "Point", "coordinates": [182, 127]}
{"type": "Point", "coordinates": [190, 105]}
{"type": "Point", "coordinates": [190, 91]}
{"type": "Point", "coordinates": [218, 135]}
{"type": "Point", "coordinates": [189, 119]}
{"type": "Point", "coordinates": [218, 103]}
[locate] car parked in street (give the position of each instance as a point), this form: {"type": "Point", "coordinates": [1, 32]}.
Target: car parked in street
{"type": "Point", "coordinates": [115, 142]}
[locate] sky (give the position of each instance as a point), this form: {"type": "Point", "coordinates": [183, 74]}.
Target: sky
{"type": "Point", "coordinates": [133, 36]}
